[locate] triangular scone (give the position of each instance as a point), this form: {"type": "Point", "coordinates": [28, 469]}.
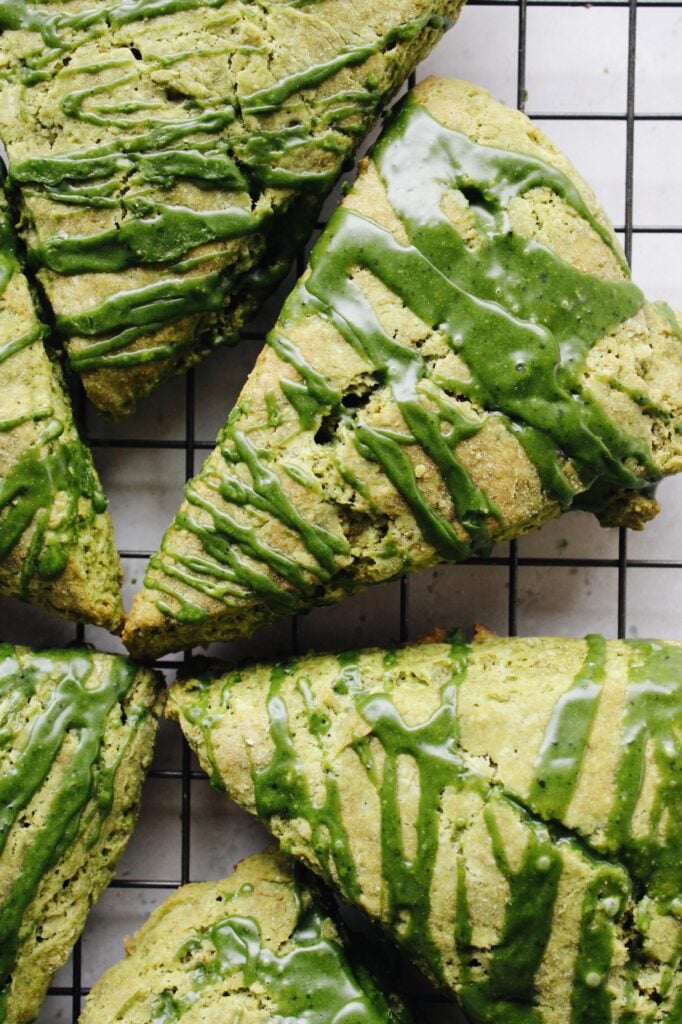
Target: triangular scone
{"type": "Point", "coordinates": [76, 735]}
{"type": "Point", "coordinates": [464, 359]}
{"type": "Point", "coordinates": [171, 157]}
{"type": "Point", "coordinates": [56, 537]}
{"type": "Point", "coordinates": [264, 945]}
{"type": "Point", "coordinates": [509, 811]}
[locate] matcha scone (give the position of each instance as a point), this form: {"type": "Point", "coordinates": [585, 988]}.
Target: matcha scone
{"type": "Point", "coordinates": [464, 359]}
{"type": "Point", "coordinates": [76, 735]}
{"type": "Point", "coordinates": [509, 811]}
{"type": "Point", "coordinates": [264, 945]}
{"type": "Point", "coordinates": [56, 537]}
{"type": "Point", "coordinates": [171, 157]}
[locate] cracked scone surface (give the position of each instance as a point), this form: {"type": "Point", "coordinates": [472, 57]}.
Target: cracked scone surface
{"type": "Point", "coordinates": [56, 537]}
{"type": "Point", "coordinates": [509, 811]}
{"type": "Point", "coordinates": [76, 735]}
{"type": "Point", "coordinates": [262, 945]}
{"type": "Point", "coordinates": [171, 157]}
{"type": "Point", "coordinates": [464, 359]}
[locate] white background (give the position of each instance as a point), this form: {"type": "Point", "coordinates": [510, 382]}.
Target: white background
{"type": "Point", "coordinates": [575, 60]}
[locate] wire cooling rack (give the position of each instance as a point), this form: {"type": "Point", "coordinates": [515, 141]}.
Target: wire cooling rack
{"type": "Point", "coordinates": [605, 81]}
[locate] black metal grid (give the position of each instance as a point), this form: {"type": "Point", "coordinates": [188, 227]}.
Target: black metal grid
{"type": "Point", "coordinates": [512, 561]}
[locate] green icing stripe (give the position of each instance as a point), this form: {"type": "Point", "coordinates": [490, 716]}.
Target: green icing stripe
{"type": "Point", "coordinates": [129, 11]}
{"type": "Point", "coordinates": [14, 345]}
{"type": "Point", "coordinates": [134, 313]}
{"type": "Point", "coordinates": [42, 491]}
{"type": "Point", "coordinates": [270, 497]}
{"type": "Point", "coordinates": [281, 790]}
{"type": "Point", "coordinates": [651, 722]}
{"type": "Point", "coordinates": [158, 233]}
{"type": "Point", "coordinates": [652, 717]}
{"type": "Point", "coordinates": [509, 990]}
{"type": "Point", "coordinates": [18, 15]}
{"type": "Point", "coordinates": [266, 101]}
{"type": "Point", "coordinates": [313, 981]}
{"type": "Point", "coordinates": [434, 748]}
{"type": "Point", "coordinates": [9, 266]}
{"type": "Point", "coordinates": [208, 149]}
{"type": "Point", "coordinates": [8, 259]}
{"type": "Point", "coordinates": [505, 990]}
{"type": "Point", "coordinates": [122, 154]}
{"type": "Point", "coordinates": [139, 311]}
{"type": "Point", "coordinates": [490, 178]}
{"type": "Point", "coordinates": [528, 920]}
{"type": "Point", "coordinates": [34, 416]}
{"type": "Point", "coordinates": [209, 166]}
{"type": "Point", "coordinates": [520, 318]}
{"type": "Point", "coordinates": [557, 768]}
{"type": "Point", "coordinates": [28, 499]}
{"type": "Point", "coordinates": [75, 709]}
{"type": "Point", "coordinates": [591, 1001]}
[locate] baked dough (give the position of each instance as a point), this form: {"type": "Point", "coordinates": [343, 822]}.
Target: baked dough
{"type": "Point", "coordinates": [464, 359]}
{"type": "Point", "coordinates": [509, 811]}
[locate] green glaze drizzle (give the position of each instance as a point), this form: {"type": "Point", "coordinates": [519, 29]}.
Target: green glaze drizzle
{"type": "Point", "coordinates": [34, 416]}
{"type": "Point", "coordinates": [14, 345]}
{"type": "Point", "coordinates": [159, 234]}
{"type": "Point", "coordinates": [266, 101]}
{"type": "Point", "coordinates": [8, 259]}
{"type": "Point", "coordinates": [43, 489]}
{"type": "Point", "coordinates": [507, 994]}
{"type": "Point", "coordinates": [603, 902]}
{"type": "Point", "coordinates": [496, 984]}
{"type": "Point", "coordinates": [221, 143]}
{"type": "Point", "coordinates": [653, 717]}
{"type": "Point", "coordinates": [651, 727]}
{"type": "Point", "coordinates": [75, 710]}
{"type": "Point", "coordinates": [313, 981]}
{"type": "Point", "coordinates": [281, 790]}
{"type": "Point", "coordinates": [28, 495]}
{"type": "Point", "coordinates": [521, 320]}
{"type": "Point", "coordinates": [557, 768]}
{"type": "Point", "coordinates": [434, 747]}
{"type": "Point", "coordinates": [55, 27]}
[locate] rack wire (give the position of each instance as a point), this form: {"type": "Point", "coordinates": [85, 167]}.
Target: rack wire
{"type": "Point", "coordinates": [64, 1002]}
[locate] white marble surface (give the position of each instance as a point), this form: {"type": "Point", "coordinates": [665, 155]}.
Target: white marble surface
{"type": "Point", "coordinates": [576, 62]}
